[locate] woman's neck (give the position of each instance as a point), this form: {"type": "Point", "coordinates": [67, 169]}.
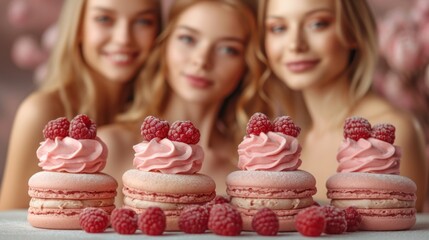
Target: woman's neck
{"type": "Point", "coordinates": [328, 105]}
{"type": "Point", "coordinates": [203, 116]}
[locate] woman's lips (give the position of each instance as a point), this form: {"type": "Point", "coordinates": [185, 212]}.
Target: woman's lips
{"type": "Point", "coordinates": [198, 82]}
{"type": "Point", "coordinates": [301, 66]}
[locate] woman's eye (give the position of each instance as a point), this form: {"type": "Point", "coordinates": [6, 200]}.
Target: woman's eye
{"type": "Point", "coordinates": [186, 39]}
{"type": "Point", "coordinates": [145, 21]}
{"type": "Point", "coordinates": [103, 19]}
{"type": "Point", "coordinates": [276, 28]}
{"type": "Point", "coordinates": [229, 51]}
{"type": "Point", "coordinates": [318, 24]}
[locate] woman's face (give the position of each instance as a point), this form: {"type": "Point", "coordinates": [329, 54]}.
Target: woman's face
{"type": "Point", "coordinates": [205, 53]}
{"type": "Point", "coordinates": [302, 43]}
{"type": "Point", "coordinates": [117, 37]}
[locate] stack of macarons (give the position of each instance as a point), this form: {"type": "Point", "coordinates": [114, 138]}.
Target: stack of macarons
{"type": "Point", "coordinates": [166, 175]}
{"type": "Point", "coordinates": [72, 158]}
{"type": "Point", "coordinates": [269, 158]}
{"type": "Point", "coordinates": [368, 177]}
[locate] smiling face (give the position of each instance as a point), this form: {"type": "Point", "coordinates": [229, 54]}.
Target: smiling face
{"type": "Point", "coordinates": [116, 37]}
{"type": "Point", "coordinates": [205, 53]}
{"type": "Point", "coordinates": [302, 42]}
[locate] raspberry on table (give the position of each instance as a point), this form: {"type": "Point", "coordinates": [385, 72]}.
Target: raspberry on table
{"type": "Point", "coordinates": [310, 221]}
{"type": "Point", "coordinates": [265, 222]}
{"type": "Point", "coordinates": [153, 127]}
{"type": "Point", "coordinates": [225, 220]}
{"type": "Point", "coordinates": [81, 127]}
{"type": "Point", "coordinates": [259, 123]}
{"type": "Point", "coordinates": [217, 200]}
{"type": "Point", "coordinates": [194, 219]}
{"type": "Point", "coordinates": [384, 132]}
{"type": "Point", "coordinates": [356, 128]}
{"type": "Point", "coordinates": [353, 219]}
{"type": "Point", "coordinates": [57, 128]}
{"type": "Point", "coordinates": [94, 220]}
{"type": "Point", "coordinates": [124, 221]}
{"type": "Point", "coordinates": [335, 220]}
{"type": "Point", "coordinates": [152, 221]}
{"type": "Point", "coordinates": [184, 131]}
{"type": "Point", "coordinates": [285, 125]}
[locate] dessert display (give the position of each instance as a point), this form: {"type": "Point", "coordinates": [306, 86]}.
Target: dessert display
{"type": "Point", "coordinates": [72, 158]}
{"type": "Point", "coordinates": [269, 158]}
{"type": "Point", "coordinates": [166, 175]}
{"type": "Point", "coordinates": [368, 177]}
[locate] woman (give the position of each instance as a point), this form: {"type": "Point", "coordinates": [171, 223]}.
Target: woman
{"type": "Point", "coordinates": [101, 47]}
{"type": "Point", "coordinates": [326, 51]}
{"type": "Point", "coordinates": [203, 69]}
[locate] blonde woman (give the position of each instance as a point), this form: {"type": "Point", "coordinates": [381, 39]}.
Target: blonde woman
{"type": "Point", "coordinates": [101, 47]}
{"type": "Point", "coordinates": [326, 51]}
{"type": "Point", "coordinates": [203, 69]}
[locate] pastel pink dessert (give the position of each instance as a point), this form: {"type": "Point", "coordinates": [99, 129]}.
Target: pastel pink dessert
{"type": "Point", "coordinates": [269, 157]}
{"type": "Point", "coordinates": [166, 171]}
{"type": "Point", "coordinates": [368, 178]}
{"type": "Point", "coordinates": [72, 158]}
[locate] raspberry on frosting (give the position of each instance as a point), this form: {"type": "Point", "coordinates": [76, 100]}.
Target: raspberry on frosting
{"type": "Point", "coordinates": [356, 128]}
{"type": "Point", "coordinates": [184, 131]}
{"type": "Point", "coordinates": [57, 128]}
{"type": "Point", "coordinates": [285, 125]}
{"type": "Point", "coordinates": [259, 123]}
{"type": "Point", "coordinates": [384, 132]}
{"type": "Point", "coordinates": [82, 127]}
{"type": "Point", "coordinates": [153, 127]}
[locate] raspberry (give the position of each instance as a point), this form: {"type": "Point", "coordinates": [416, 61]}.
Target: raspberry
{"type": "Point", "coordinates": [335, 220]}
{"type": "Point", "coordinates": [152, 221]}
{"type": "Point", "coordinates": [259, 123]}
{"type": "Point", "coordinates": [194, 219]}
{"type": "Point", "coordinates": [384, 132]}
{"type": "Point", "coordinates": [153, 127]}
{"type": "Point", "coordinates": [184, 131]}
{"type": "Point", "coordinates": [81, 127]}
{"type": "Point", "coordinates": [94, 220]}
{"type": "Point", "coordinates": [57, 128]}
{"type": "Point", "coordinates": [353, 219]}
{"type": "Point", "coordinates": [265, 222]}
{"type": "Point", "coordinates": [310, 221]}
{"type": "Point", "coordinates": [356, 128]}
{"type": "Point", "coordinates": [124, 221]}
{"type": "Point", "coordinates": [225, 220]}
{"type": "Point", "coordinates": [217, 200]}
{"type": "Point", "coordinates": [285, 125]}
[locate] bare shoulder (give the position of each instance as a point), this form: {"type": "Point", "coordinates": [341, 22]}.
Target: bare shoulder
{"type": "Point", "coordinates": [45, 105]}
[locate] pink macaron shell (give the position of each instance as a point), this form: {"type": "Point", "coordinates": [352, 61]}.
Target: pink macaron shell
{"type": "Point", "coordinates": [267, 184]}
{"type": "Point", "coordinates": [387, 219]}
{"type": "Point", "coordinates": [66, 219]}
{"type": "Point", "coordinates": [168, 183]}
{"type": "Point", "coordinates": [370, 186]}
{"type": "Point", "coordinates": [63, 185]}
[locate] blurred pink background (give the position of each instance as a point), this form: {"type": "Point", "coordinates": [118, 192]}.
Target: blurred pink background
{"type": "Point", "coordinates": [402, 77]}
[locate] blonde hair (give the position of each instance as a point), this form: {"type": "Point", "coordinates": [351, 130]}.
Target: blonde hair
{"type": "Point", "coordinates": [356, 26]}
{"type": "Point", "coordinates": [152, 90]}
{"type": "Point", "coordinates": [69, 74]}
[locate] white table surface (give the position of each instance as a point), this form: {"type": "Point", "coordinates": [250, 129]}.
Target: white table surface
{"type": "Point", "coordinates": [14, 225]}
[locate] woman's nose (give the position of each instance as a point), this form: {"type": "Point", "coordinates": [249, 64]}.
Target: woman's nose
{"type": "Point", "coordinates": [122, 33]}
{"type": "Point", "coordinates": [202, 57]}
{"type": "Point", "coordinates": [297, 40]}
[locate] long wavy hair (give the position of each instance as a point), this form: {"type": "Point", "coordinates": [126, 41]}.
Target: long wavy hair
{"type": "Point", "coordinates": [356, 25]}
{"type": "Point", "coordinates": [152, 90]}
{"type": "Point", "coordinates": [69, 74]}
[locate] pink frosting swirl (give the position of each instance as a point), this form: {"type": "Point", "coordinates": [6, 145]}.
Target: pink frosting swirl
{"type": "Point", "coordinates": [168, 156]}
{"type": "Point", "coordinates": [368, 155]}
{"type": "Point", "coordinates": [270, 152]}
{"type": "Point", "coordinates": [72, 155]}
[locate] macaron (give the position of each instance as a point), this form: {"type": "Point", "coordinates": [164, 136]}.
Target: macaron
{"type": "Point", "coordinates": [285, 192]}
{"type": "Point", "coordinates": [385, 201]}
{"type": "Point", "coordinates": [170, 192]}
{"type": "Point", "coordinates": [57, 198]}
